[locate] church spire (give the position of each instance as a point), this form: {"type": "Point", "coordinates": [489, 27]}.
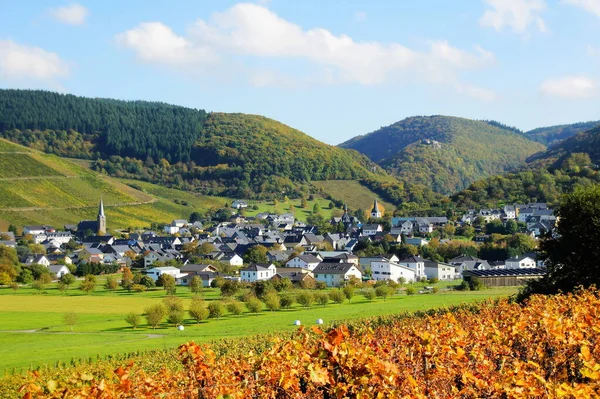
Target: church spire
{"type": "Point", "coordinates": [101, 219]}
{"type": "Point", "coordinates": [375, 212]}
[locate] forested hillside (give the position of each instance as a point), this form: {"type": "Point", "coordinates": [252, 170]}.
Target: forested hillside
{"type": "Point", "coordinates": [549, 135]}
{"type": "Point", "coordinates": [223, 154]}
{"type": "Point", "coordinates": [444, 153]}
{"type": "Point", "coordinates": [546, 176]}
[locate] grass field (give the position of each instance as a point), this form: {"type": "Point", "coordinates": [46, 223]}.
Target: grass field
{"type": "Point", "coordinates": [352, 193]}
{"type": "Point", "coordinates": [34, 333]}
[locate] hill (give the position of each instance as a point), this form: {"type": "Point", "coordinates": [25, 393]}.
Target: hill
{"type": "Point", "coordinates": [224, 154]}
{"type": "Point", "coordinates": [445, 153]}
{"type": "Point", "coordinates": [551, 134]}
{"type": "Point", "coordinates": [545, 177]}
{"type": "Point", "coordinates": [38, 188]}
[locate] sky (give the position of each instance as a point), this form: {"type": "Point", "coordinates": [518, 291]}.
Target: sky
{"type": "Point", "coordinates": [333, 69]}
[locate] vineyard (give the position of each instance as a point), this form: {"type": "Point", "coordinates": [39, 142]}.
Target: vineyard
{"type": "Point", "coordinates": [548, 348]}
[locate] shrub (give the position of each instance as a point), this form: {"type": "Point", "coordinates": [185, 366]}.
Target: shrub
{"type": "Point", "coordinates": [216, 309]}
{"type": "Point", "coordinates": [155, 314]}
{"type": "Point", "coordinates": [383, 291]}
{"type": "Point", "coordinates": [138, 287]}
{"type": "Point", "coordinates": [337, 296]}
{"type": "Point", "coordinates": [133, 319]}
{"type": "Point", "coordinates": [322, 298]}
{"type": "Point", "coordinates": [476, 284]}
{"type": "Point", "coordinates": [305, 298]}
{"type": "Point", "coordinates": [287, 301]}
{"type": "Point", "coordinates": [411, 291]}
{"type": "Point", "coordinates": [272, 301]}
{"type": "Point", "coordinates": [369, 293]}
{"type": "Point", "coordinates": [349, 292]}
{"type": "Point", "coordinates": [198, 310]}
{"type": "Point", "coordinates": [254, 305]}
{"type": "Point", "coordinates": [236, 308]}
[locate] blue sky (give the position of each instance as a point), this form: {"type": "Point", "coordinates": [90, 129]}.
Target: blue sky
{"type": "Point", "coordinates": [333, 69]}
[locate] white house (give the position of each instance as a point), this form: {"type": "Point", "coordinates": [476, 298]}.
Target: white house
{"type": "Point", "coordinates": [156, 272]}
{"type": "Point", "coordinates": [391, 271]}
{"type": "Point", "coordinates": [510, 213]}
{"type": "Point", "coordinates": [258, 272]}
{"type": "Point", "coordinates": [58, 270]}
{"type": "Point", "coordinates": [521, 262]}
{"type": "Point", "coordinates": [439, 270]}
{"type": "Point", "coordinates": [406, 228]}
{"type": "Point", "coordinates": [232, 259]}
{"type": "Point", "coordinates": [365, 262]}
{"type": "Point", "coordinates": [372, 229]}
{"type": "Point", "coordinates": [308, 262]}
{"type": "Point", "coordinates": [239, 204]}
{"type": "Point", "coordinates": [34, 230]}
{"type": "Point", "coordinates": [38, 259]}
{"type": "Point", "coordinates": [175, 226]}
{"type": "Point", "coordinates": [415, 263]}
{"type": "Point", "coordinates": [336, 274]}
{"type": "Point", "coordinates": [418, 241]}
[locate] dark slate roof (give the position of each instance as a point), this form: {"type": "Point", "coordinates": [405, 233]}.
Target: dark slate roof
{"type": "Point", "coordinates": [333, 268]}
{"type": "Point", "coordinates": [256, 267]}
{"type": "Point", "coordinates": [411, 259]}
{"type": "Point", "coordinates": [504, 272]}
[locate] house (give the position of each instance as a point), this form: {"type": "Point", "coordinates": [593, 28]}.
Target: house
{"type": "Point", "coordinates": [440, 270]}
{"type": "Point", "coordinates": [387, 270]}
{"type": "Point", "coordinates": [365, 262]}
{"type": "Point", "coordinates": [296, 275]}
{"type": "Point", "coordinates": [336, 274]}
{"type": "Point", "coordinates": [36, 230]}
{"type": "Point", "coordinates": [466, 262]}
{"type": "Point", "coordinates": [207, 274]}
{"type": "Point", "coordinates": [308, 262]}
{"type": "Point", "coordinates": [407, 228]}
{"type": "Point", "coordinates": [509, 212]}
{"type": "Point", "coordinates": [418, 241]}
{"type": "Point", "coordinates": [415, 263]}
{"type": "Point", "coordinates": [520, 262]}
{"type": "Point", "coordinates": [346, 258]}
{"type": "Point", "coordinates": [257, 272]}
{"type": "Point", "coordinates": [425, 227]}
{"type": "Point", "coordinates": [372, 229]}
{"type": "Point", "coordinates": [239, 204]}
{"type": "Point", "coordinates": [156, 272]}
{"type": "Point", "coordinates": [37, 259]}
{"type": "Point", "coordinates": [58, 270]}
{"type": "Point", "coordinates": [175, 226]}
{"type": "Point", "coordinates": [232, 259]}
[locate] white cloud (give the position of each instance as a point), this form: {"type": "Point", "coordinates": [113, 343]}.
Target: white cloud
{"type": "Point", "coordinates": [519, 15]}
{"type": "Point", "coordinates": [25, 62]}
{"type": "Point", "coordinates": [591, 6]}
{"type": "Point", "coordinates": [252, 31]}
{"type": "Point", "coordinates": [73, 14]}
{"type": "Point", "coordinates": [570, 87]}
{"type": "Point", "coordinates": [360, 16]}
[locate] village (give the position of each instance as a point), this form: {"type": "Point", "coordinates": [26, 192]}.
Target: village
{"type": "Point", "coordinates": [279, 247]}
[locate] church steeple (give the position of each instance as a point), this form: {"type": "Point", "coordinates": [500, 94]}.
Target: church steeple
{"type": "Point", "coordinates": [101, 219]}
{"type": "Point", "coordinates": [375, 212]}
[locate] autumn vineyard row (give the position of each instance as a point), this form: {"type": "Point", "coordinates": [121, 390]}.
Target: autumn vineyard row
{"type": "Point", "coordinates": [547, 348]}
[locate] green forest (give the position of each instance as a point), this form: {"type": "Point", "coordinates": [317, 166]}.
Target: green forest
{"type": "Point", "coordinates": [463, 152]}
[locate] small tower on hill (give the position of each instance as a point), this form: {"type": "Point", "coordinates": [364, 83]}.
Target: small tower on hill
{"type": "Point", "coordinates": [101, 219]}
{"type": "Point", "coordinates": [376, 212]}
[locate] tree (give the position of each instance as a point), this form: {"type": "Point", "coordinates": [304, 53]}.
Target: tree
{"type": "Point", "coordinates": [167, 282]}
{"type": "Point", "coordinates": [272, 301]}
{"type": "Point", "coordinates": [236, 308]}
{"type": "Point", "coordinates": [254, 305]}
{"type": "Point", "coordinates": [133, 319]}
{"type": "Point", "coordinates": [197, 309]}
{"type": "Point", "coordinates": [38, 285]}
{"type": "Point", "coordinates": [229, 288]}
{"type": "Point", "coordinates": [126, 278]}
{"type": "Point", "coordinates": [305, 299]}
{"type": "Point", "coordinates": [337, 296]}
{"type": "Point", "coordinates": [256, 254]}
{"type": "Point", "coordinates": [68, 279]}
{"type": "Point", "coordinates": [369, 293]}
{"type": "Point", "coordinates": [88, 284]}
{"type": "Point", "coordinates": [287, 301]}
{"type": "Point", "coordinates": [303, 203]}
{"type": "Point", "coordinates": [155, 314]}
{"type": "Point", "coordinates": [349, 292]}
{"type": "Point", "coordinates": [147, 281]}
{"type": "Point", "coordinates": [383, 291]}
{"type": "Point", "coordinates": [70, 319]}
{"type": "Point", "coordinates": [111, 283]}
{"type": "Point", "coordinates": [196, 285]}
{"type": "Point", "coordinates": [216, 309]}
{"type": "Point", "coordinates": [322, 298]}
{"type": "Point", "coordinates": [571, 253]}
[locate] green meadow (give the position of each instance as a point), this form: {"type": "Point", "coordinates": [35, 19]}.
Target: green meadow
{"type": "Point", "coordinates": [34, 333]}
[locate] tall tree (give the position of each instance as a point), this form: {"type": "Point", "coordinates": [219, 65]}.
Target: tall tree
{"type": "Point", "coordinates": [571, 253]}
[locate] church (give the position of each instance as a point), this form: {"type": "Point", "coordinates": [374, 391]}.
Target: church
{"type": "Point", "coordinates": [98, 226]}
